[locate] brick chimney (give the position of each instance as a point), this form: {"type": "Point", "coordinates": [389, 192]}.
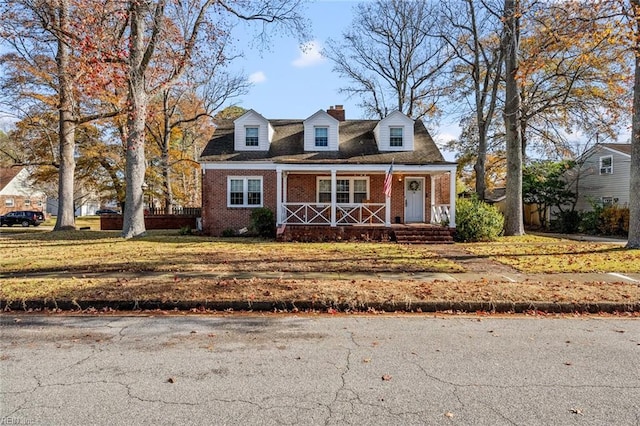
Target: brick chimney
{"type": "Point", "coordinates": [336, 112]}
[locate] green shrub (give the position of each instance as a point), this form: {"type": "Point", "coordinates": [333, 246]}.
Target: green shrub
{"type": "Point", "coordinates": [567, 222]}
{"type": "Point", "coordinates": [263, 223]}
{"type": "Point", "coordinates": [229, 232]}
{"type": "Point", "coordinates": [185, 230]}
{"type": "Point", "coordinates": [609, 220]}
{"type": "Point", "coordinates": [590, 220]}
{"type": "Point", "coordinates": [477, 221]}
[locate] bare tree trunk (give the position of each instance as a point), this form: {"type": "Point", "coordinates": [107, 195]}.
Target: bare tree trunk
{"type": "Point", "coordinates": [67, 129]}
{"type": "Point", "coordinates": [513, 224]}
{"type": "Point", "coordinates": [166, 180]}
{"type": "Point", "coordinates": [133, 218]}
{"type": "Point", "coordinates": [634, 186]}
{"type": "Point", "coordinates": [481, 162]}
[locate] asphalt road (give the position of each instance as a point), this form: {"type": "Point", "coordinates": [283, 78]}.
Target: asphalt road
{"type": "Point", "coordinates": [274, 370]}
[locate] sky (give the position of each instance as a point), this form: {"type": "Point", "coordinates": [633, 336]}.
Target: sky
{"type": "Point", "coordinates": [291, 82]}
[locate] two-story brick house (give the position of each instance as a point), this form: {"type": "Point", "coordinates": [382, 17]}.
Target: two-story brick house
{"type": "Point", "coordinates": [16, 191]}
{"type": "Point", "coordinates": [325, 175]}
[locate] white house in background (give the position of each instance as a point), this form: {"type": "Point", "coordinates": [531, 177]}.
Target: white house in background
{"type": "Point", "coordinates": [16, 192]}
{"type": "Point", "coordinates": [604, 175]}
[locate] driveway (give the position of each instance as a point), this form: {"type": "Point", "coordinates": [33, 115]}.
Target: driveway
{"type": "Point", "coordinates": [273, 370]}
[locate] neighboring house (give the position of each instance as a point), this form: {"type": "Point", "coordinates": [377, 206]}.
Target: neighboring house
{"type": "Point", "coordinates": [85, 205]}
{"type": "Point", "coordinates": [324, 173]}
{"type": "Point", "coordinates": [16, 193]}
{"type": "Point", "coordinates": [604, 175]}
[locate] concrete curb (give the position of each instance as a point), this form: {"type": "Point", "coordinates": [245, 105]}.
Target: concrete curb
{"type": "Point", "coordinates": [303, 305]}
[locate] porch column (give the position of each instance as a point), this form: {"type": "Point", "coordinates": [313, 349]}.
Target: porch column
{"type": "Point", "coordinates": [334, 197]}
{"type": "Point", "coordinates": [452, 198]}
{"type": "Point", "coordinates": [433, 198]}
{"type": "Point", "coordinates": [387, 208]}
{"type": "Point", "coordinates": [279, 207]}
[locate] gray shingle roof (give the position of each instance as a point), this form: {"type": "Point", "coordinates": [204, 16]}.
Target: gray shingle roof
{"type": "Point", "coordinates": [357, 146]}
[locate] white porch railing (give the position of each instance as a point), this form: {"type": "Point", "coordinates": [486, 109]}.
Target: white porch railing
{"type": "Point", "coordinates": [320, 214]}
{"type": "Point", "coordinates": [440, 213]}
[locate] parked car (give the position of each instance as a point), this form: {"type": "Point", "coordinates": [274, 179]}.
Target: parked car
{"type": "Point", "coordinates": [22, 217]}
{"type": "Point", "coordinates": [106, 211]}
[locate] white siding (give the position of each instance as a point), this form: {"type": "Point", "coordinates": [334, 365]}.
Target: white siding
{"type": "Point", "coordinates": [382, 132]}
{"type": "Point", "coordinates": [321, 119]}
{"type": "Point", "coordinates": [593, 186]}
{"type": "Point", "coordinates": [252, 119]}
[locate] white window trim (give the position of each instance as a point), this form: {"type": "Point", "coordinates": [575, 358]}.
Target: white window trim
{"type": "Point", "coordinates": [8, 202]}
{"type": "Point", "coordinates": [245, 192]}
{"type": "Point", "coordinates": [609, 169]}
{"type": "Point", "coordinates": [315, 136]}
{"type": "Point", "coordinates": [27, 202]}
{"type": "Point", "coordinates": [403, 132]}
{"type": "Point", "coordinates": [351, 186]}
{"type": "Point", "coordinates": [245, 135]}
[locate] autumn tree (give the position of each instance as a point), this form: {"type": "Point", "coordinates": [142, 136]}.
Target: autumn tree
{"type": "Point", "coordinates": [45, 64]}
{"type": "Point", "coordinates": [514, 223]}
{"type": "Point", "coordinates": [634, 190]}
{"type": "Point", "coordinates": [161, 39]}
{"type": "Point", "coordinates": [180, 124]}
{"type": "Point", "coordinates": [473, 32]}
{"type": "Point", "coordinates": [391, 58]}
{"type": "Point", "coordinates": [573, 76]}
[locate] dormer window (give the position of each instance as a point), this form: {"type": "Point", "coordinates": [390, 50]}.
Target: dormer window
{"type": "Point", "coordinates": [322, 136]}
{"type": "Point", "coordinates": [251, 136]}
{"type": "Point", "coordinates": [395, 136]}
{"type": "Point", "coordinates": [606, 165]}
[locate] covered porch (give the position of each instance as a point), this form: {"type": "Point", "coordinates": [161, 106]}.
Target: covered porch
{"type": "Point", "coordinates": [353, 195]}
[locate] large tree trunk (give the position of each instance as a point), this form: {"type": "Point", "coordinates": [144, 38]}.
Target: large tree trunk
{"type": "Point", "coordinates": [513, 224]}
{"type": "Point", "coordinates": [67, 129]}
{"type": "Point", "coordinates": [167, 193]}
{"type": "Point", "coordinates": [133, 219]}
{"type": "Point", "coordinates": [634, 187]}
{"type": "Point", "coordinates": [481, 162]}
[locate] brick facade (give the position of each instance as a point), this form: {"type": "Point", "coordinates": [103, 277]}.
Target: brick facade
{"type": "Point", "coordinates": [217, 216]}
{"type": "Point", "coordinates": [19, 203]}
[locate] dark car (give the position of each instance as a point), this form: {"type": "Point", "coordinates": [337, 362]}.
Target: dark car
{"type": "Point", "coordinates": [106, 211]}
{"type": "Point", "coordinates": [22, 217]}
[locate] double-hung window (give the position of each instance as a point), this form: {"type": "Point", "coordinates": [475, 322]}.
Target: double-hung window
{"type": "Point", "coordinates": [606, 165]}
{"type": "Point", "coordinates": [322, 136]}
{"type": "Point", "coordinates": [244, 191]}
{"type": "Point", "coordinates": [349, 190]}
{"type": "Point", "coordinates": [8, 202]}
{"type": "Point", "coordinates": [395, 136]}
{"type": "Point", "coordinates": [251, 136]}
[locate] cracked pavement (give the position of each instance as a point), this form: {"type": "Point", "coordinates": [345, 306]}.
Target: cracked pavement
{"type": "Point", "coordinates": [317, 369]}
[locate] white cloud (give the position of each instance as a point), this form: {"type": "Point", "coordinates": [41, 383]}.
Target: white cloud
{"type": "Point", "coordinates": [310, 54]}
{"type": "Point", "coordinates": [257, 77]}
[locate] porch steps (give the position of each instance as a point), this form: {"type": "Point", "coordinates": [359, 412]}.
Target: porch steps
{"type": "Point", "coordinates": [430, 235]}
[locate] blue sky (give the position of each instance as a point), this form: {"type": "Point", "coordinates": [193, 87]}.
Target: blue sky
{"type": "Point", "coordinates": [289, 82]}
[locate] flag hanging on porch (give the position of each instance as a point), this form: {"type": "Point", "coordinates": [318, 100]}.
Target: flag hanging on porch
{"type": "Point", "coordinates": [388, 181]}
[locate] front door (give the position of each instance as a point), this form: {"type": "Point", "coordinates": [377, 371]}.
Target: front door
{"type": "Point", "coordinates": [414, 199]}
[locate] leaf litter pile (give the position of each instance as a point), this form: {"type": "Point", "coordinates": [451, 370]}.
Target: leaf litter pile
{"type": "Point", "coordinates": [166, 267]}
